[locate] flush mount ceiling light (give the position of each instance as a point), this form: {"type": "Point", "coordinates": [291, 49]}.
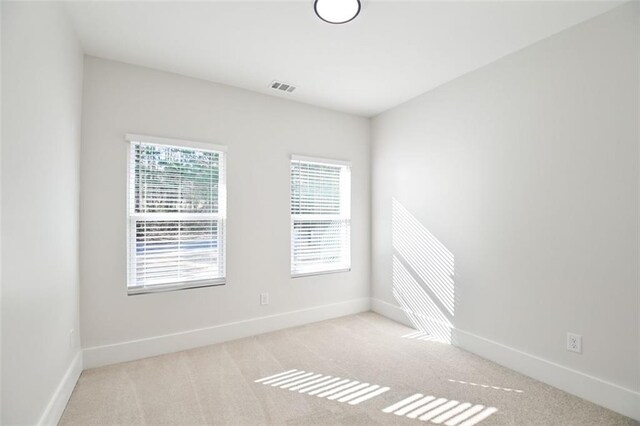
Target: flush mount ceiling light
{"type": "Point", "coordinates": [337, 11]}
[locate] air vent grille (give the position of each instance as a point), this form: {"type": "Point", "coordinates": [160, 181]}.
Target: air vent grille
{"type": "Point", "coordinates": [283, 87]}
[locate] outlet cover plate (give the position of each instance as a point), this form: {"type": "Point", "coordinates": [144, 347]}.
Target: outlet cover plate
{"type": "Point", "coordinates": [264, 298]}
{"type": "Point", "coordinates": [574, 342]}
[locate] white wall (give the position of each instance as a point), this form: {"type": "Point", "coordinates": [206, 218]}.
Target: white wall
{"type": "Point", "coordinates": [525, 172]}
{"type": "Point", "coordinates": [261, 133]}
{"type": "Point", "coordinates": [42, 84]}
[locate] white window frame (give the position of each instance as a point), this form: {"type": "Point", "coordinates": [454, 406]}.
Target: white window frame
{"type": "Point", "coordinates": [345, 214]}
{"type": "Point", "coordinates": [131, 219]}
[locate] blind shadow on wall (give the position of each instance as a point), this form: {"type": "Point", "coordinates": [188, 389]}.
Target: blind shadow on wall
{"type": "Point", "coordinates": [422, 276]}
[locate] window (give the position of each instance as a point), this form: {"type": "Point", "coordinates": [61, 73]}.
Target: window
{"type": "Point", "coordinates": [177, 210]}
{"type": "Point", "coordinates": [320, 216]}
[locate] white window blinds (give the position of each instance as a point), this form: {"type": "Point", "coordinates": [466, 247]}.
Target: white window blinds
{"type": "Point", "coordinates": [320, 216]}
{"type": "Point", "coordinates": [177, 210]}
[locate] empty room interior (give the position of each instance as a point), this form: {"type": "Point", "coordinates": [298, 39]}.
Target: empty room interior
{"type": "Point", "coordinates": [329, 212]}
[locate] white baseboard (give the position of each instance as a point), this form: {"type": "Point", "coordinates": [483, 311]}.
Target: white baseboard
{"type": "Point", "coordinates": [390, 311]}
{"type": "Point", "coordinates": [58, 402]}
{"type": "Point", "coordinates": [128, 351]}
{"type": "Point", "coordinates": [622, 400]}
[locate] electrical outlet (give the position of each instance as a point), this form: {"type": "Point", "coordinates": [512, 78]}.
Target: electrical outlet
{"type": "Point", "coordinates": [574, 342]}
{"type": "Point", "coordinates": [264, 298]}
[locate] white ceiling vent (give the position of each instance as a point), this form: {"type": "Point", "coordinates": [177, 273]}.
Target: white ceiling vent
{"type": "Point", "coordinates": [284, 87]}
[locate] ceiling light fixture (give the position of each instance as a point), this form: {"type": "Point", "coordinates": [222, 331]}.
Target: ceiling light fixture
{"type": "Point", "coordinates": [337, 11]}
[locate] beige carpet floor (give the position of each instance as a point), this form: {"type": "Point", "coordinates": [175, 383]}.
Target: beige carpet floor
{"type": "Point", "coordinates": [216, 384]}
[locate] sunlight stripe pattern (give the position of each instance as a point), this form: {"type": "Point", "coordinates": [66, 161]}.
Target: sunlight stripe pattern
{"type": "Point", "coordinates": [421, 335]}
{"type": "Point", "coordinates": [347, 391]}
{"type": "Point", "coordinates": [440, 411]}
{"type": "Point", "coordinates": [462, 382]}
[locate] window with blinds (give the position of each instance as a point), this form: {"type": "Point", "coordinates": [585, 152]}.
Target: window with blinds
{"type": "Point", "coordinates": [320, 216]}
{"type": "Point", "coordinates": [177, 209]}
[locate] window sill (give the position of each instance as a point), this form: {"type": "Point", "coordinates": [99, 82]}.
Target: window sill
{"type": "Point", "coordinates": [133, 291]}
{"type": "Point", "coordinates": [310, 274]}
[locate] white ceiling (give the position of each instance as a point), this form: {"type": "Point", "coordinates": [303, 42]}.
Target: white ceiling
{"type": "Point", "coordinates": [392, 52]}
